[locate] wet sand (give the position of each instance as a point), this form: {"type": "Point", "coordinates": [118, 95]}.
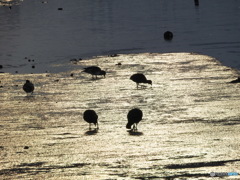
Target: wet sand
{"type": "Point", "coordinates": [190, 123]}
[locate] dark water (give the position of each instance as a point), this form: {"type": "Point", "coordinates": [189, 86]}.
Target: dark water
{"type": "Point", "coordinates": [32, 30]}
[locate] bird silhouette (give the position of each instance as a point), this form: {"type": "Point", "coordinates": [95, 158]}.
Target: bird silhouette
{"type": "Point", "coordinates": [140, 78]}
{"type": "Point", "coordinates": [134, 117]}
{"type": "Point", "coordinates": [91, 116]}
{"type": "Point", "coordinates": [28, 87]}
{"type": "Point", "coordinates": [94, 70]}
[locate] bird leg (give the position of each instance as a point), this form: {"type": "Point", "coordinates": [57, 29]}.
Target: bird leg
{"type": "Point", "coordinates": [97, 126]}
{"type": "Point", "coordinates": [134, 127]}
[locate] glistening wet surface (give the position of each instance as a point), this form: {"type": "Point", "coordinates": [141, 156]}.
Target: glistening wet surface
{"type": "Point", "coordinates": [190, 123]}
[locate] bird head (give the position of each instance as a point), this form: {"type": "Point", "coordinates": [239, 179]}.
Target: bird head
{"type": "Point", "coordinates": [129, 126]}
{"type": "Point", "coordinates": [149, 82]}
{"type": "Point", "coordinates": [103, 73]}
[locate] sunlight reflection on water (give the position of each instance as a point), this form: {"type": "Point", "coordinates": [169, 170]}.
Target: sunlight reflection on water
{"type": "Point", "coordinates": [190, 115]}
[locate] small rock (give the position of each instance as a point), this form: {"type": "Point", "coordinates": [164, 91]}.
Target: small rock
{"type": "Point", "coordinates": [26, 147]}
{"type": "Point", "coordinates": [168, 35]}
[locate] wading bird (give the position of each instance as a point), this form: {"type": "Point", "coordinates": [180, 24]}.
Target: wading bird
{"type": "Point", "coordinates": [28, 87]}
{"type": "Point", "coordinates": [94, 70]}
{"type": "Point", "coordinates": [91, 116]}
{"type": "Point", "coordinates": [134, 117]}
{"type": "Point", "coordinates": [140, 78]}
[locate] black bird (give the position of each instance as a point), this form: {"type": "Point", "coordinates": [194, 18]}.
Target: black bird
{"type": "Point", "coordinates": [91, 116]}
{"type": "Point", "coordinates": [236, 81]}
{"type": "Point", "coordinates": [94, 70]}
{"type": "Point", "coordinates": [140, 78]}
{"type": "Point", "coordinates": [28, 87]}
{"type": "Point", "coordinates": [134, 117]}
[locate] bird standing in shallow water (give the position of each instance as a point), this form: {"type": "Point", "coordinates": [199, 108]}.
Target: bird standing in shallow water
{"type": "Point", "coordinates": [28, 87]}
{"type": "Point", "coordinates": [94, 70]}
{"type": "Point", "coordinates": [91, 116]}
{"type": "Point", "coordinates": [134, 117]}
{"type": "Point", "coordinates": [140, 78]}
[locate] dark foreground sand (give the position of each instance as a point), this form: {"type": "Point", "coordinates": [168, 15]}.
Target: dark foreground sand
{"type": "Point", "coordinates": [191, 123]}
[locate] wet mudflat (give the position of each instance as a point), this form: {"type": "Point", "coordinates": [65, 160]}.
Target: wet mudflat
{"type": "Point", "coordinates": [190, 126]}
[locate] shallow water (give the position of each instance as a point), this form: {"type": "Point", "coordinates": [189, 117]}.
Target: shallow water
{"type": "Point", "coordinates": [32, 30]}
{"type": "Point", "coordinates": [190, 123]}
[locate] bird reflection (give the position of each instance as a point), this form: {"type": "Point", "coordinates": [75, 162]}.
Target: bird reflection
{"type": "Point", "coordinates": [91, 132]}
{"type": "Point", "coordinates": [135, 133]}
{"type": "Point", "coordinates": [29, 97]}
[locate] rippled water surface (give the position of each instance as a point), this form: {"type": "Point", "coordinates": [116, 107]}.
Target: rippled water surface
{"type": "Point", "coordinates": [190, 123]}
{"type": "Point", "coordinates": [37, 30]}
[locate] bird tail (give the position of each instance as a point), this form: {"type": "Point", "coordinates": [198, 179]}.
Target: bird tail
{"type": "Point", "coordinates": [128, 126]}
